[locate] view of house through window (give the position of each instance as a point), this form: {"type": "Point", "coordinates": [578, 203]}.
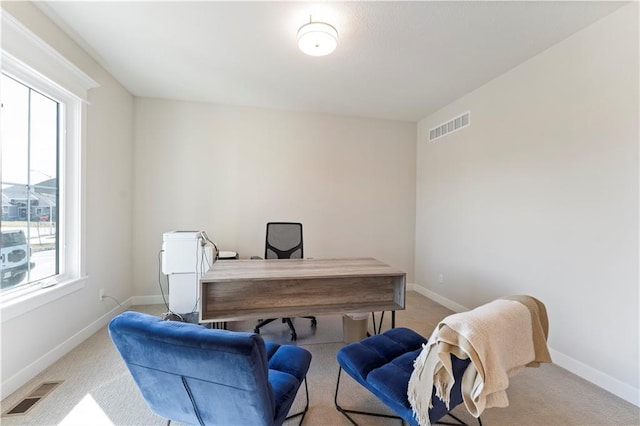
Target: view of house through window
{"type": "Point", "coordinates": [30, 191]}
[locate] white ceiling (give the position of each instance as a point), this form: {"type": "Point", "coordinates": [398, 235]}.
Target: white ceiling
{"type": "Point", "coordinates": [395, 60]}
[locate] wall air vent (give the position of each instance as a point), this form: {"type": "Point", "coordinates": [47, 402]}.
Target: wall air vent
{"type": "Point", "coordinates": [450, 126]}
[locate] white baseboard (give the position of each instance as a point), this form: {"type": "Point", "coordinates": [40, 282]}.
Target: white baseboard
{"type": "Point", "coordinates": [23, 376]}
{"type": "Point", "coordinates": [606, 382]}
{"type": "Point", "coordinates": [447, 303]}
{"type": "Point", "coordinates": [597, 377]}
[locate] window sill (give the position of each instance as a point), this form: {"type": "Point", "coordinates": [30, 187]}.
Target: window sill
{"type": "Point", "coordinates": [21, 303]}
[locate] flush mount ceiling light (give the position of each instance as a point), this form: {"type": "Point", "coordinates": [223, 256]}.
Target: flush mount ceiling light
{"type": "Point", "coordinates": [317, 38]}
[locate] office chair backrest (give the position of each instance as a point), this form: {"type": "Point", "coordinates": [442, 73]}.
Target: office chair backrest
{"type": "Point", "coordinates": [284, 241]}
{"type": "Point", "coordinates": [194, 375]}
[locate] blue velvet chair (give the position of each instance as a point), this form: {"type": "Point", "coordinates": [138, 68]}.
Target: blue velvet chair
{"type": "Point", "coordinates": [195, 375]}
{"type": "Point", "coordinates": [383, 364]}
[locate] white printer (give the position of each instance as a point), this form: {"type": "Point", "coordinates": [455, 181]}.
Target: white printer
{"type": "Point", "coordinates": [186, 255]}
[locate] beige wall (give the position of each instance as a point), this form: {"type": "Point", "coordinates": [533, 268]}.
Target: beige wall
{"type": "Point", "coordinates": [539, 196]}
{"type": "Point", "coordinates": [32, 341]}
{"type": "Point", "coordinates": [229, 170]}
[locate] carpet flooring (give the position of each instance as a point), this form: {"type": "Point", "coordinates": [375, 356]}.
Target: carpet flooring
{"type": "Point", "coordinates": [97, 389]}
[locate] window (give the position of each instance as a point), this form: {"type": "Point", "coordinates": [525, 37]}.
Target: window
{"type": "Point", "coordinates": [30, 132]}
{"type": "Point", "coordinates": [43, 99]}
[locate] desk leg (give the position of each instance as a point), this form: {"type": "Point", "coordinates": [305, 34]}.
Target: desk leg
{"type": "Point", "coordinates": [378, 329]}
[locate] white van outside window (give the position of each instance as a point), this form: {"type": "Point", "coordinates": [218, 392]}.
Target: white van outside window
{"type": "Point", "coordinates": [30, 193]}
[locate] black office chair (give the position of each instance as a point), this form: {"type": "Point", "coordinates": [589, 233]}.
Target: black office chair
{"type": "Point", "coordinates": [284, 241]}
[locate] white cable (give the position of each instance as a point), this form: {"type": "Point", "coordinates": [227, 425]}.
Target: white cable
{"type": "Point", "coordinates": [169, 313]}
{"type": "Point", "coordinates": [104, 296]}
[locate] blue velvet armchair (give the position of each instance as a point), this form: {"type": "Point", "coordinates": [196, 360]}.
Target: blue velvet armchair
{"type": "Point", "coordinates": [493, 341]}
{"type": "Point", "coordinates": [383, 364]}
{"type": "Point", "coordinates": [194, 375]}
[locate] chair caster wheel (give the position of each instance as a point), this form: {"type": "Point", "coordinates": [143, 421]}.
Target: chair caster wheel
{"type": "Point", "coordinates": [314, 323]}
{"type": "Point", "coordinates": [256, 330]}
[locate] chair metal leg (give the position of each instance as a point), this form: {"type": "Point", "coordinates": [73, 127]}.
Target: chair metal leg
{"type": "Point", "coordinates": [378, 329]}
{"type": "Point", "coordinates": [460, 422]}
{"type": "Point", "coordinates": [306, 407]}
{"type": "Point", "coordinates": [379, 325]}
{"type": "Point", "coordinates": [314, 321]}
{"type": "Point", "coordinates": [345, 412]}
{"type": "Point", "coordinates": [294, 336]}
{"type": "Point", "coordinates": [262, 324]}
{"type": "Point", "coordinates": [217, 325]}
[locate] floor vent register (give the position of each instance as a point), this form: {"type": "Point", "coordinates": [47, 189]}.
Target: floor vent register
{"type": "Point", "coordinates": [32, 399]}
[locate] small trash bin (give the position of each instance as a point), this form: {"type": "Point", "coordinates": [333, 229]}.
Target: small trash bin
{"type": "Point", "coordinates": [354, 327]}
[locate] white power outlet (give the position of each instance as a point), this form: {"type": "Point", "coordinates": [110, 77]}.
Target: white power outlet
{"type": "Point", "coordinates": [101, 294]}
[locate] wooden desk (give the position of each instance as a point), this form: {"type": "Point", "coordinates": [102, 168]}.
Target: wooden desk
{"type": "Point", "coordinates": [234, 290]}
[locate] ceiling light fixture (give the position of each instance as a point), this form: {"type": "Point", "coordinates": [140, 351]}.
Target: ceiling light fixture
{"type": "Point", "coordinates": [317, 38]}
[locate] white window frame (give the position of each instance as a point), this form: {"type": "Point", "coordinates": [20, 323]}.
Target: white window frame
{"type": "Point", "coordinates": [33, 62]}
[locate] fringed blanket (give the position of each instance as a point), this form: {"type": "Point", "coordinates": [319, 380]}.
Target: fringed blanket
{"type": "Point", "coordinates": [499, 338]}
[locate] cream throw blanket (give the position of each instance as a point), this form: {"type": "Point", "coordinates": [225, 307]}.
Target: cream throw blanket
{"type": "Point", "coordinates": [500, 338]}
